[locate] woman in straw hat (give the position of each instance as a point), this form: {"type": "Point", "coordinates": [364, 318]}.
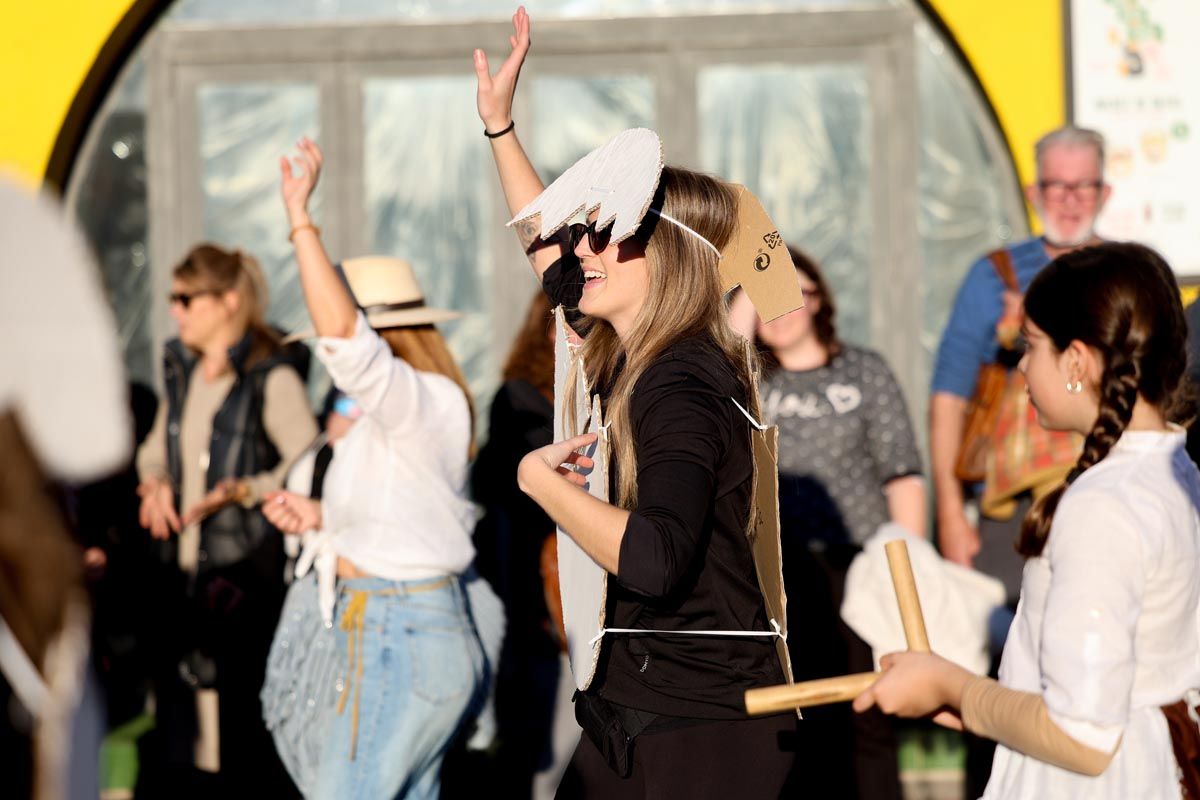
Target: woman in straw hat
{"type": "Point", "coordinates": [395, 525]}
{"type": "Point", "coordinates": [671, 373]}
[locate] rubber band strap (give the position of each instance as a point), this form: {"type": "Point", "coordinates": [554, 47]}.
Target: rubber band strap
{"type": "Point", "coordinates": [774, 625]}
{"type": "Point", "coordinates": [679, 224]}
{"type": "Point", "coordinates": [753, 421]}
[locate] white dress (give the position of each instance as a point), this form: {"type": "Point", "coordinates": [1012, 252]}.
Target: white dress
{"type": "Point", "coordinates": [1107, 626]}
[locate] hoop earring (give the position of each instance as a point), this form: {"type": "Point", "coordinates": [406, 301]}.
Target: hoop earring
{"type": "Point", "coordinates": [1075, 388]}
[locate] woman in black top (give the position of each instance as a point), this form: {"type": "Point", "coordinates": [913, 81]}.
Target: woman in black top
{"type": "Point", "coordinates": [667, 367]}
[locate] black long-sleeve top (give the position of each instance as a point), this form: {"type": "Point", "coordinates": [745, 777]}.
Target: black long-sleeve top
{"type": "Point", "coordinates": [685, 561]}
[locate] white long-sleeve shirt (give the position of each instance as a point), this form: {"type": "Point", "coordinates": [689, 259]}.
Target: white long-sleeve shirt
{"type": "Point", "coordinates": [394, 501]}
{"type": "Point", "coordinates": [1108, 626]}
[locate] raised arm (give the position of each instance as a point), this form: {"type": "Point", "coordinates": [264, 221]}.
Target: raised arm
{"type": "Point", "coordinates": [518, 178]}
{"type": "Point", "coordinates": [330, 305]}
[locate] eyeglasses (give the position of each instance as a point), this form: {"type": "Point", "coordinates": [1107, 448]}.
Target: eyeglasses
{"type": "Point", "coordinates": [185, 298]}
{"type": "Point", "coordinates": [597, 240]}
{"type": "Point", "coordinates": [1057, 191]}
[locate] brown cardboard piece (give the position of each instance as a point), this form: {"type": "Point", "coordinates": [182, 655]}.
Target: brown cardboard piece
{"type": "Point", "coordinates": [765, 538]}
{"type": "Point", "coordinates": [757, 259]}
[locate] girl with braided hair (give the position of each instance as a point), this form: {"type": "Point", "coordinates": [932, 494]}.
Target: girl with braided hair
{"type": "Point", "coordinates": [1098, 683]}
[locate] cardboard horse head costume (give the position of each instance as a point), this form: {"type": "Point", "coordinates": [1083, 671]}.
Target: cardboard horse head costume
{"type": "Point", "coordinates": [618, 181]}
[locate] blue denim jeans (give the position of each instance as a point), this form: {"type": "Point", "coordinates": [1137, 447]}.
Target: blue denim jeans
{"type": "Point", "coordinates": [420, 678]}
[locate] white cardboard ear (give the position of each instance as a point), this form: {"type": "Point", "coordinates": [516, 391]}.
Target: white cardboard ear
{"type": "Point", "coordinates": [758, 260]}
{"type": "Point", "coordinates": [583, 584]}
{"type": "Point", "coordinates": [619, 178]}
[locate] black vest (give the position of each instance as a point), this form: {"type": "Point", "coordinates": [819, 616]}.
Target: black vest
{"type": "Point", "coordinates": [239, 447]}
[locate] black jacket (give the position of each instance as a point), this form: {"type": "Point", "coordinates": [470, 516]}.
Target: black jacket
{"type": "Point", "coordinates": [239, 447]}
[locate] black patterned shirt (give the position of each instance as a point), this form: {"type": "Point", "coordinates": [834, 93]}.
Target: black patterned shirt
{"type": "Point", "coordinates": [844, 432]}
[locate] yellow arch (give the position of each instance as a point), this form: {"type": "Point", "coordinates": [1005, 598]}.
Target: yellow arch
{"type": "Point", "coordinates": [48, 47]}
{"type": "Point", "coordinates": [1016, 49]}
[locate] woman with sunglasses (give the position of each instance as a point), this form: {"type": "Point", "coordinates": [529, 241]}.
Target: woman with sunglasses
{"type": "Point", "coordinates": [235, 415]}
{"type": "Point", "coordinates": [668, 369]}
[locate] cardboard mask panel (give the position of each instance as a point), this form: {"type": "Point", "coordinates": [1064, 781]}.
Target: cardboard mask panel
{"type": "Point", "coordinates": [583, 584]}
{"type": "Point", "coordinates": [765, 544]}
{"type": "Point", "coordinates": [757, 259]}
{"type": "Point", "coordinates": [617, 179]}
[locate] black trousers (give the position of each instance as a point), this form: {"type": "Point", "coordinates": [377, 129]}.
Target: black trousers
{"type": "Point", "coordinates": [745, 759]}
{"type": "Point", "coordinates": [840, 754]}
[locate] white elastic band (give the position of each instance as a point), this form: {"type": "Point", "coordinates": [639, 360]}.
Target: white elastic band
{"type": "Point", "coordinates": [774, 625]}
{"type": "Point", "coordinates": [753, 421]}
{"type": "Point", "coordinates": [22, 675]}
{"type": "Point", "coordinates": [679, 224]}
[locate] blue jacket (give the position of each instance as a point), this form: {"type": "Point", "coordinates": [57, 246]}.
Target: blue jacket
{"type": "Point", "coordinates": [969, 340]}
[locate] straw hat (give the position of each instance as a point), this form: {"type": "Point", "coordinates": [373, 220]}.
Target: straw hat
{"type": "Point", "coordinates": [388, 293]}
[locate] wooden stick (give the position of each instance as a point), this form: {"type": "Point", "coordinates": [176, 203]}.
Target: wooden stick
{"type": "Point", "coordinates": [906, 595]}
{"type": "Point", "coordinates": [773, 699]}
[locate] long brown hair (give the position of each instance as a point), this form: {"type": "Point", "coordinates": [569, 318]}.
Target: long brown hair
{"type": "Point", "coordinates": [531, 358]}
{"type": "Point", "coordinates": [683, 299]}
{"type": "Point", "coordinates": [423, 347]}
{"type": "Point", "coordinates": [211, 268]}
{"type": "Point", "coordinates": [1122, 300]}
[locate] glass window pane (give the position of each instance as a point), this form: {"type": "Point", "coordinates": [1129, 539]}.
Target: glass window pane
{"type": "Point", "coordinates": [428, 201]}
{"type": "Point", "coordinates": [965, 206]}
{"type": "Point", "coordinates": [270, 12]}
{"type": "Point", "coordinates": [244, 129]}
{"type": "Point", "coordinates": [799, 137]}
{"type": "Point", "coordinates": [574, 115]}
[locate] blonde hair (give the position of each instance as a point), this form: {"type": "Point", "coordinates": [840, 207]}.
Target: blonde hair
{"type": "Point", "coordinates": [211, 268]}
{"type": "Point", "coordinates": [683, 299]}
{"type": "Point", "coordinates": [425, 350]}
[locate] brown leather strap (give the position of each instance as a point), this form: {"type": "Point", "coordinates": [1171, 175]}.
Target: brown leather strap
{"type": "Point", "coordinates": [1185, 741]}
{"type": "Point", "coordinates": [1002, 263]}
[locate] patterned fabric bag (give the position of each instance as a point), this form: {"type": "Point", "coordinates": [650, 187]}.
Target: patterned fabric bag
{"type": "Point", "coordinates": [299, 694]}
{"type": "Point", "coordinates": [1024, 456]}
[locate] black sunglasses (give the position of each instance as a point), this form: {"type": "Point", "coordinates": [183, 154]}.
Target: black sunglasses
{"type": "Point", "coordinates": [597, 240]}
{"type": "Point", "coordinates": [185, 298]}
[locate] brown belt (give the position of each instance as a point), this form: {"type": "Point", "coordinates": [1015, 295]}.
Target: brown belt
{"type": "Point", "coordinates": [1185, 740]}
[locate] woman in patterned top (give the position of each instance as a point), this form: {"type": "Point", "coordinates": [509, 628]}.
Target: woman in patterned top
{"type": "Point", "coordinates": [848, 463]}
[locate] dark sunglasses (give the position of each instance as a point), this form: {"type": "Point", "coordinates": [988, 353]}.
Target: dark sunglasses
{"type": "Point", "coordinates": [185, 298]}
{"type": "Point", "coordinates": [597, 240]}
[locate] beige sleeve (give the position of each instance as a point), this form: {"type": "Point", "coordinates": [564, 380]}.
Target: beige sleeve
{"type": "Point", "coordinates": [152, 455]}
{"type": "Point", "coordinates": [1020, 721]}
{"type": "Point", "coordinates": [290, 426]}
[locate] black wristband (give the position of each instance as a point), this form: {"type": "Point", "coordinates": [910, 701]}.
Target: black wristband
{"type": "Point", "coordinates": [498, 134]}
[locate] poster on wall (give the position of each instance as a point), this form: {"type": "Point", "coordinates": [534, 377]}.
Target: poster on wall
{"type": "Point", "coordinates": [1135, 69]}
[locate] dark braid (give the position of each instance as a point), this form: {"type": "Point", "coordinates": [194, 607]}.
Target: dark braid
{"type": "Point", "coordinates": [1123, 301]}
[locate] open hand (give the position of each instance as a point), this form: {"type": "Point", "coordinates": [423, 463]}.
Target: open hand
{"type": "Point", "coordinates": [917, 685]}
{"type": "Point", "coordinates": [292, 513]}
{"type": "Point", "coordinates": [297, 186]}
{"type": "Point", "coordinates": [958, 539]}
{"type": "Point", "coordinates": [494, 95]}
{"type": "Point", "coordinates": [157, 511]}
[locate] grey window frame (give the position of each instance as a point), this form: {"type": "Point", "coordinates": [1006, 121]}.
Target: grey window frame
{"type": "Point", "coordinates": [668, 49]}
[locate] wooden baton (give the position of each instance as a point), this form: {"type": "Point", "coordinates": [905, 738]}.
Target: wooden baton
{"type": "Point", "coordinates": [773, 699]}
{"type": "Point", "coordinates": [906, 596]}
